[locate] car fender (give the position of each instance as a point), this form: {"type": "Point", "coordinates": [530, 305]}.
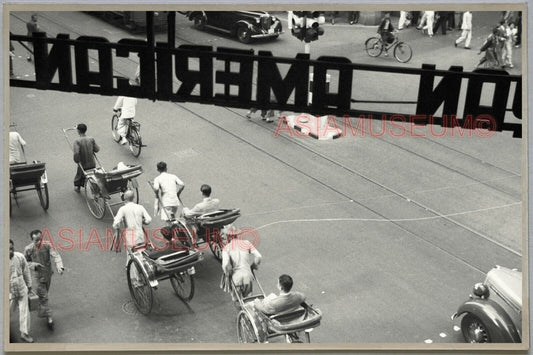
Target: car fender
{"type": "Point", "coordinates": [498, 322]}
{"type": "Point", "coordinates": [239, 24]}
{"type": "Point", "coordinates": [193, 14]}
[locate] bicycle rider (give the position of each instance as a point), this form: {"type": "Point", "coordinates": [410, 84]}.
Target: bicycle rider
{"type": "Point", "coordinates": [127, 106]}
{"type": "Point", "coordinates": [386, 30]}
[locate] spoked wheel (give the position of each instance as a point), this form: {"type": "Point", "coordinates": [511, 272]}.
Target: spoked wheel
{"type": "Point", "coordinates": [243, 34]}
{"type": "Point", "coordinates": [217, 242]}
{"type": "Point", "coordinates": [183, 285]}
{"type": "Point", "coordinates": [135, 142]}
{"type": "Point", "coordinates": [474, 330]}
{"type": "Point", "coordinates": [42, 191]}
{"type": "Point", "coordinates": [373, 46]}
{"type": "Point", "coordinates": [403, 52]}
{"type": "Point", "coordinates": [94, 198]}
{"type": "Point", "coordinates": [140, 289]}
{"type": "Point", "coordinates": [245, 329]}
{"type": "Point", "coordinates": [298, 337]}
{"type": "Point", "coordinates": [114, 128]}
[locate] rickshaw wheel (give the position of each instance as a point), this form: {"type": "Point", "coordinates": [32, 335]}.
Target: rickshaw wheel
{"type": "Point", "coordinates": [140, 289]}
{"type": "Point", "coordinates": [95, 201]}
{"type": "Point", "coordinates": [474, 330]}
{"type": "Point", "coordinates": [135, 142]}
{"type": "Point", "coordinates": [42, 191]}
{"type": "Point", "coordinates": [216, 244]}
{"type": "Point", "coordinates": [245, 329]}
{"type": "Point", "coordinates": [183, 285]}
{"type": "Point", "coordinates": [114, 125]}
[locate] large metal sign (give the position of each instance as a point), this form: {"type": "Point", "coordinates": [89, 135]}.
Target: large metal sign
{"type": "Point", "coordinates": [226, 76]}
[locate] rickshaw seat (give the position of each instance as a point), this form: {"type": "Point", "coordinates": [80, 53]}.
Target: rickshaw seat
{"type": "Point", "coordinates": [303, 317]}
{"type": "Point", "coordinates": [179, 250]}
{"type": "Point", "coordinates": [290, 315]}
{"type": "Point", "coordinates": [219, 218]}
{"type": "Point", "coordinates": [26, 174]}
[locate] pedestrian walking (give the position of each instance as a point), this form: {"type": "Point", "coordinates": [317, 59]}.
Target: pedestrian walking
{"type": "Point", "coordinates": [83, 148]}
{"type": "Point", "coordinates": [332, 16]}
{"type": "Point", "coordinates": [518, 24]}
{"type": "Point", "coordinates": [353, 17]}
{"type": "Point", "coordinates": [40, 256]}
{"type": "Point", "coordinates": [19, 289]}
{"type": "Point", "coordinates": [466, 26]}
{"type": "Point", "coordinates": [127, 106]}
{"type": "Point", "coordinates": [404, 20]}
{"type": "Point", "coordinates": [16, 148]}
{"type": "Point", "coordinates": [489, 47]}
{"type": "Point", "coordinates": [430, 17]}
{"type": "Point", "coordinates": [32, 26]}
{"type": "Point", "coordinates": [510, 32]}
{"type": "Point", "coordinates": [440, 22]}
{"type": "Point", "coordinates": [168, 188]}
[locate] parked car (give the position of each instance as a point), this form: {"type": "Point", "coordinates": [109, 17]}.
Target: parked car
{"type": "Point", "coordinates": [493, 314]}
{"type": "Point", "coordinates": [245, 25]}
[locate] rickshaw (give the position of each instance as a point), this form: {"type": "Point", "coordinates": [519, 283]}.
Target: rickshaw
{"type": "Point", "coordinates": [195, 231]}
{"type": "Point", "coordinates": [148, 264]}
{"type": "Point", "coordinates": [253, 326]}
{"type": "Point", "coordinates": [100, 184]}
{"type": "Point", "coordinates": [26, 177]}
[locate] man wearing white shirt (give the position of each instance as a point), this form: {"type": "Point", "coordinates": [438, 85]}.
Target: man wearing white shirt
{"type": "Point", "coordinates": [134, 216]}
{"type": "Point", "coordinates": [467, 30]}
{"type": "Point", "coordinates": [16, 148]}
{"type": "Point", "coordinates": [127, 105]}
{"type": "Point", "coordinates": [167, 187]}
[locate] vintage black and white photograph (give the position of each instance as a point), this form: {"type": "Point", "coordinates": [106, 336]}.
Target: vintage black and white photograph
{"type": "Point", "coordinates": [315, 176]}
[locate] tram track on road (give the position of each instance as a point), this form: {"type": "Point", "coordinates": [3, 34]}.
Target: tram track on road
{"type": "Point", "coordinates": [353, 172]}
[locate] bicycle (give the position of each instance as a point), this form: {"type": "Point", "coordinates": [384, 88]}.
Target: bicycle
{"type": "Point", "coordinates": [133, 134]}
{"type": "Point", "coordinates": [374, 46]}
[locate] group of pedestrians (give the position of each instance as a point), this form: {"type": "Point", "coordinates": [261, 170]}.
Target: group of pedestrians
{"type": "Point", "coordinates": [38, 256]}
{"type": "Point", "coordinates": [498, 46]}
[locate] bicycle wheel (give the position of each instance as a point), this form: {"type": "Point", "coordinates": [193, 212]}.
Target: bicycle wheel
{"type": "Point", "coordinates": [183, 285]}
{"type": "Point", "coordinates": [245, 329]}
{"type": "Point", "coordinates": [135, 142]}
{"type": "Point", "coordinates": [403, 52]}
{"type": "Point", "coordinates": [95, 201]}
{"type": "Point", "coordinates": [140, 289]}
{"type": "Point", "coordinates": [114, 125]}
{"type": "Point", "coordinates": [42, 191]}
{"type": "Point", "coordinates": [373, 46]}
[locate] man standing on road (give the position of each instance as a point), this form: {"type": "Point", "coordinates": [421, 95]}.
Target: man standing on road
{"type": "Point", "coordinates": [167, 187]}
{"type": "Point", "coordinates": [134, 217]}
{"type": "Point", "coordinates": [19, 288]}
{"type": "Point", "coordinates": [207, 205]}
{"type": "Point", "coordinates": [127, 107]}
{"type": "Point", "coordinates": [84, 148]}
{"type": "Point", "coordinates": [32, 26]}
{"type": "Point", "coordinates": [466, 26]}
{"type": "Point", "coordinates": [40, 255]}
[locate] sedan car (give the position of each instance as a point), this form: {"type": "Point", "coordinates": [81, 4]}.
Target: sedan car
{"type": "Point", "coordinates": [493, 314]}
{"type": "Point", "coordinates": [245, 25]}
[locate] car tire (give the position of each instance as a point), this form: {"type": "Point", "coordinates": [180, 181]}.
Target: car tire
{"type": "Point", "coordinates": [199, 22]}
{"type": "Point", "coordinates": [244, 34]}
{"type": "Point", "coordinates": [474, 330]}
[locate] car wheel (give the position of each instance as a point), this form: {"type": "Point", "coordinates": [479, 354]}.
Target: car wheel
{"type": "Point", "coordinates": [244, 34]}
{"type": "Point", "coordinates": [199, 22]}
{"type": "Point", "coordinates": [474, 330]}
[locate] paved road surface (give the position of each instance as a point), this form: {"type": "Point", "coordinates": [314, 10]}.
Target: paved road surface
{"type": "Point", "coordinates": [386, 235]}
